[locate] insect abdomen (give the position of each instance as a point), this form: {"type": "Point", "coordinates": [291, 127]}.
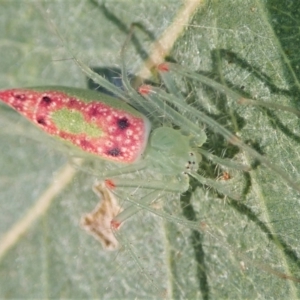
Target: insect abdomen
{"type": "Point", "coordinates": [96, 123]}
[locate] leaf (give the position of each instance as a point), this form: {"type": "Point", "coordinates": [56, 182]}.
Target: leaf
{"type": "Point", "coordinates": [245, 250]}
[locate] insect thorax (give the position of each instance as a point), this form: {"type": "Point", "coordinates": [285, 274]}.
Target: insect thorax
{"type": "Point", "coordinates": [170, 152]}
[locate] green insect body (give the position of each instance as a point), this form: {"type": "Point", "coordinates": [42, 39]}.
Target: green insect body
{"type": "Point", "coordinates": [112, 130]}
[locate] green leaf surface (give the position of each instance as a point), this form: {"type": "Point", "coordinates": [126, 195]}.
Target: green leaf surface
{"type": "Point", "coordinates": [247, 249]}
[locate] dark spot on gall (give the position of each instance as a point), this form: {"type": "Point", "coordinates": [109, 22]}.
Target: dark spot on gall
{"type": "Point", "coordinates": [46, 100]}
{"type": "Point", "coordinates": [41, 121]}
{"type": "Point", "coordinates": [20, 97]}
{"type": "Point", "coordinates": [114, 152]}
{"type": "Point", "coordinates": [123, 123]}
